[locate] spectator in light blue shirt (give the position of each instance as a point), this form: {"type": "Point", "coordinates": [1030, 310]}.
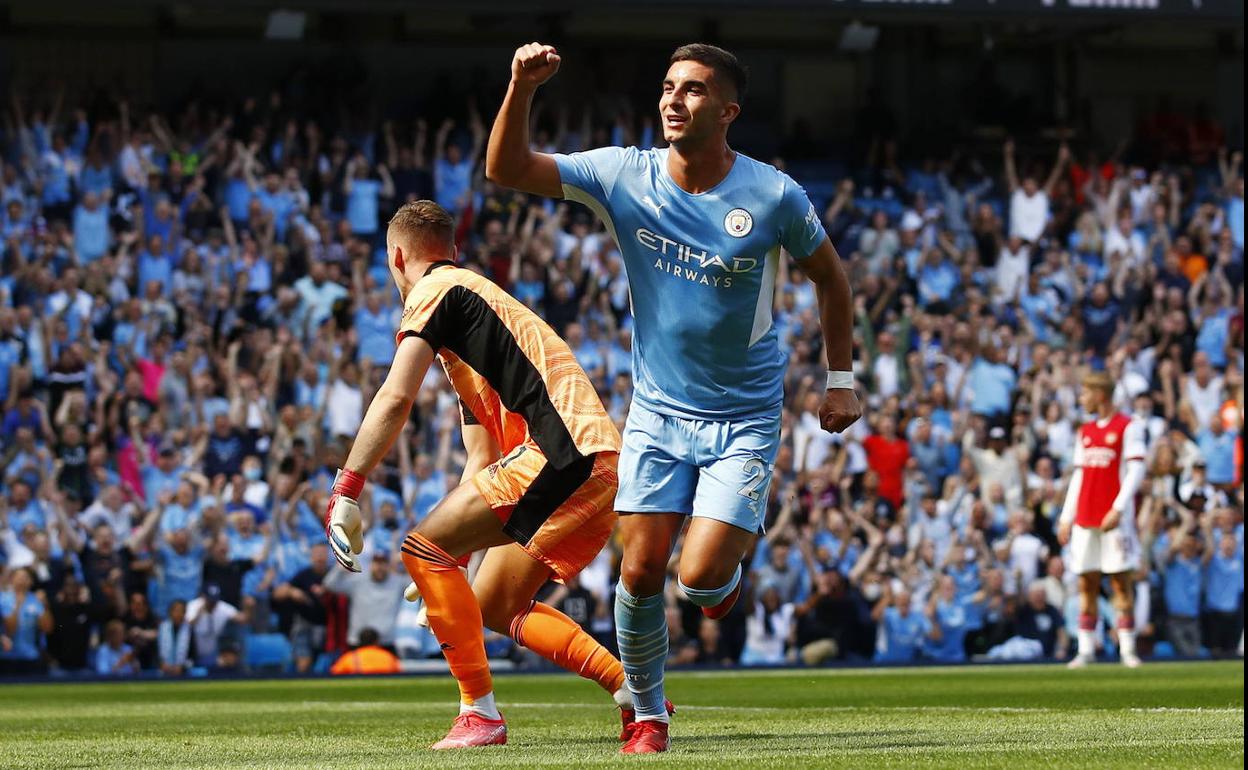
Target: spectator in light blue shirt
{"type": "Point", "coordinates": [965, 572]}
{"type": "Point", "coordinates": [375, 324]}
{"type": "Point", "coordinates": [96, 175]}
{"type": "Point", "coordinates": [1235, 213]}
{"type": "Point", "coordinates": [992, 380]}
{"type": "Point", "coordinates": [588, 353]}
{"type": "Point", "coordinates": [620, 354]}
{"type": "Point", "coordinates": [91, 236]}
{"type": "Point", "coordinates": [1224, 594]}
{"type": "Point", "coordinates": [1224, 576]}
{"type": "Point", "coordinates": [938, 279]}
{"type": "Point", "coordinates": [163, 476]}
{"type": "Point", "coordinates": [26, 617]}
{"type": "Point", "coordinates": [276, 201]}
{"type": "Point", "coordinates": [318, 293]}
{"type": "Point", "coordinates": [1217, 446]}
{"type": "Point", "coordinates": [55, 167]}
{"type": "Point", "coordinates": [528, 286]}
{"type": "Point", "coordinates": [951, 620]}
{"type": "Point", "coordinates": [1039, 304]}
{"type": "Point", "coordinates": [156, 264]}
{"type": "Point", "coordinates": [425, 487]}
{"type": "Point", "coordinates": [363, 195]}
{"type": "Point", "coordinates": [1182, 592]}
{"type": "Point", "coordinates": [237, 198]}
{"type": "Point", "coordinates": [24, 507]}
{"type": "Point", "coordinates": [181, 562]}
{"type": "Point", "coordinates": [835, 547]}
{"type": "Point", "coordinates": [902, 631]}
{"type": "Point", "coordinates": [160, 217]}
{"type": "Point", "coordinates": [114, 657]}
{"type": "Point", "coordinates": [1213, 334]}
{"type": "Point", "coordinates": [255, 265]}
{"type": "Point", "coordinates": [16, 220]}
{"type": "Point", "coordinates": [452, 168]}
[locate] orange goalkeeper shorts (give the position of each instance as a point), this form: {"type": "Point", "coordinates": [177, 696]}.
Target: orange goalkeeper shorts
{"type": "Point", "coordinates": [561, 517]}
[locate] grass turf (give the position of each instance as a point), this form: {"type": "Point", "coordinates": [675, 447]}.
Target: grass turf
{"type": "Point", "coordinates": [1177, 715]}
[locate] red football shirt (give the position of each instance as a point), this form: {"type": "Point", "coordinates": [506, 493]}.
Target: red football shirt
{"type": "Point", "coordinates": [1103, 449]}
{"type": "Point", "coordinates": [888, 460]}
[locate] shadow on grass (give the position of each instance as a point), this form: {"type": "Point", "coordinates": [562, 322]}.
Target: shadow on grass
{"type": "Point", "coordinates": [826, 740]}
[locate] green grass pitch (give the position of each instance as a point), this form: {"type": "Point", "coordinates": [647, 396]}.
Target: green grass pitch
{"type": "Point", "coordinates": [1165, 715]}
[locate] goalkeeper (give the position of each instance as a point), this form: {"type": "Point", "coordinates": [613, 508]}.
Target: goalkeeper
{"type": "Point", "coordinates": [539, 487]}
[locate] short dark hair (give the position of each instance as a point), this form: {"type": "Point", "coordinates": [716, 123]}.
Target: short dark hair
{"type": "Point", "coordinates": [425, 221]}
{"type": "Point", "coordinates": [723, 62]}
{"type": "Point", "coordinates": [368, 637]}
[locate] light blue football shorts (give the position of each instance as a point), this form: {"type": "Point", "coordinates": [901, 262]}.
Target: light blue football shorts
{"type": "Point", "coordinates": [717, 469]}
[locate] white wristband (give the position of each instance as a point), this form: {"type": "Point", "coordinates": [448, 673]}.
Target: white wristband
{"type": "Point", "coordinates": [841, 380]}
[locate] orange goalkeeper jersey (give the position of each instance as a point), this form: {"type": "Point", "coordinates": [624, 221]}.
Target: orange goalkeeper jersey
{"type": "Point", "coordinates": [513, 374]}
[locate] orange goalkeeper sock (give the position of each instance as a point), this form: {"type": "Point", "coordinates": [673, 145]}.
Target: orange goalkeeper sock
{"type": "Point", "coordinates": [454, 614]}
{"type": "Point", "coordinates": [557, 638]}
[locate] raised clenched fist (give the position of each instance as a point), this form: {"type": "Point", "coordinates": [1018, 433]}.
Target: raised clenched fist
{"type": "Point", "coordinates": [840, 409]}
{"type": "Point", "coordinates": [534, 64]}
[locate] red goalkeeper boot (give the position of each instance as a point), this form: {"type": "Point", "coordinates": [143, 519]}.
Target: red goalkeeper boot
{"type": "Point", "coordinates": [473, 730]}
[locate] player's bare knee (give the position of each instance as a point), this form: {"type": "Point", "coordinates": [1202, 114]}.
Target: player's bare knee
{"type": "Point", "coordinates": [707, 576]}
{"type": "Point", "coordinates": [643, 574]}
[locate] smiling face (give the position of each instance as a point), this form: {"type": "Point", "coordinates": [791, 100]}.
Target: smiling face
{"type": "Point", "coordinates": [696, 105]}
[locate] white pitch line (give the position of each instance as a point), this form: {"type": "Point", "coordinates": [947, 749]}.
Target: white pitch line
{"type": "Point", "coordinates": [606, 707]}
{"type": "Point", "coordinates": [368, 705]}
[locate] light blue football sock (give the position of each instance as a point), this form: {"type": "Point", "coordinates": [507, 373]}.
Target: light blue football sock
{"type": "Point", "coordinates": [710, 597]}
{"type": "Point", "coordinates": [641, 629]}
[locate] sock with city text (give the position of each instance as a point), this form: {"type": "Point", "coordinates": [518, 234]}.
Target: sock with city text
{"type": "Point", "coordinates": [641, 628]}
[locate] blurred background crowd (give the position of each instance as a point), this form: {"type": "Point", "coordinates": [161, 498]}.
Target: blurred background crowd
{"type": "Point", "coordinates": [195, 312]}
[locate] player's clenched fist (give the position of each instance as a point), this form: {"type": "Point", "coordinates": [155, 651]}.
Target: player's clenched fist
{"type": "Point", "coordinates": [840, 410]}
{"type": "Point", "coordinates": [534, 64]}
{"type": "Point", "coordinates": [343, 526]}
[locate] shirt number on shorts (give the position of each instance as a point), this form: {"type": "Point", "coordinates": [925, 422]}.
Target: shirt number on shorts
{"type": "Point", "coordinates": [509, 459]}
{"type": "Point", "coordinates": [757, 471]}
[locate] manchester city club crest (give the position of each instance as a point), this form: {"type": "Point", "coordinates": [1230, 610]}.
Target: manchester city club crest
{"type": "Point", "coordinates": [738, 223]}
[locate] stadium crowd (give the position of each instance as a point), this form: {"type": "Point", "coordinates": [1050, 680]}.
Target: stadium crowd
{"type": "Point", "coordinates": [195, 311]}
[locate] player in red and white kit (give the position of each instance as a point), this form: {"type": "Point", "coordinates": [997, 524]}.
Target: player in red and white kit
{"type": "Point", "coordinates": [1098, 518]}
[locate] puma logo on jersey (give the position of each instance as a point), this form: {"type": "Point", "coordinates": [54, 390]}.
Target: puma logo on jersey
{"type": "Point", "coordinates": [646, 199]}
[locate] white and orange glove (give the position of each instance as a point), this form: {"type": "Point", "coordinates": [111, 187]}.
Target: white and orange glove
{"type": "Point", "coordinates": [344, 527]}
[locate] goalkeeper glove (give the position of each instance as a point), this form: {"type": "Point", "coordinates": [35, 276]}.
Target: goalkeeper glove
{"type": "Point", "coordinates": [343, 525]}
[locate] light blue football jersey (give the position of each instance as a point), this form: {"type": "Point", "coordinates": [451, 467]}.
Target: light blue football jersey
{"type": "Point", "coordinates": [701, 273]}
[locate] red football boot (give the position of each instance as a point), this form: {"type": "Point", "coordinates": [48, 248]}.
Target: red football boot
{"type": "Point", "coordinates": [629, 717]}
{"type": "Point", "coordinates": [724, 607]}
{"type": "Point", "coordinates": [648, 737]}
{"type": "Point", "coordinates": [473, 730]}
